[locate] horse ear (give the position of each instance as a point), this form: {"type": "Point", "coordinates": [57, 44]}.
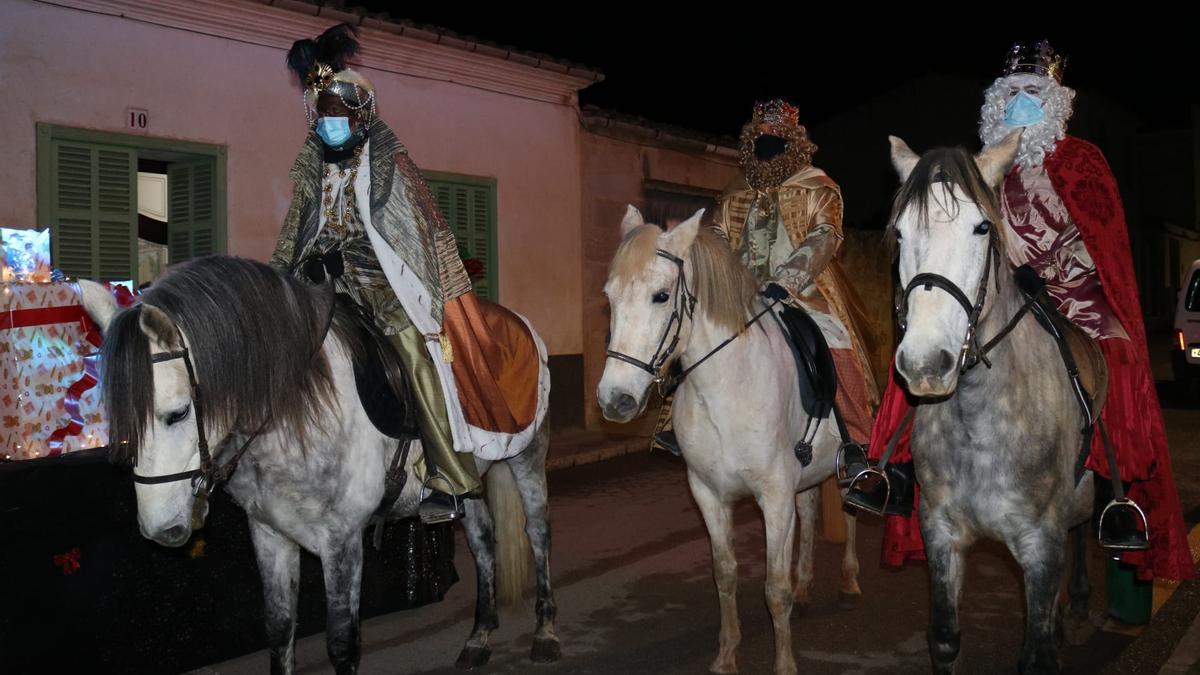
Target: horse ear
{"type": "Point", "coordinates": [98, 303]}
{"type": "Point", "coordinates": [680, 238]}
{"type": "Point", "coordinates": [995, 161]}
{"type": "Point", "coordinates": [633, 220]}
{"type": "Point", "coordinates": [159, 327]}
{"type": "Point", "coordinates": [903, 158]}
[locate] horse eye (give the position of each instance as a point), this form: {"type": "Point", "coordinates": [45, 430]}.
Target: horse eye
{"type": "Point", "coordinates": [661, 297]}
{"type": "Point", "coordinates": [983, 227]}
{"type": "Point", "coordinates": [178, 416]}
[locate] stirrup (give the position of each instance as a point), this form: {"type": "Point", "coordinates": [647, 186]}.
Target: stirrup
{"type": "Point", "coordinates": [1122, 533]}
{"type": "Point", "coordinates": [851, 461]}
{"type": "Point", "coordinates": [441, 516]}
{"type": "Point", "coordinates": [666, 440]}
{"type": "Point", "coordinates": [869, 490]}
{"type": "Point", "coordinates": [435, 517]}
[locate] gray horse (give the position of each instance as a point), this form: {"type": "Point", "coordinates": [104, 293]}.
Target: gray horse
{"type": "Point", "coordinates": [226, 348]}
{"type": "Point", "coordinates": [995, 444]}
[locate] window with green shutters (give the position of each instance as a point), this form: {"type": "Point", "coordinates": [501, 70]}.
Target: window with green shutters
{"type": "Point", "coordinates": [469, 206]}
{"type": "Point", "coordinates": [87, 196]}
{"type": "Point", "coordinates": [191, 208]}
{"type": "Point", "coordinates": [93, 210]}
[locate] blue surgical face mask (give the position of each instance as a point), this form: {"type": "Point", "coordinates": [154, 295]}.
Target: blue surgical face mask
{"type": "Point", "coordinates": [335, 131]}
{"type": "Point", "coordinates": [1023, 110]}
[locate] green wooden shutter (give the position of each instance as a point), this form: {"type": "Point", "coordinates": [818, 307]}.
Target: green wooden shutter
{"type": "Point", "coordinates": [191, 212]}
{"type": "Point", "coordinates": [94, 210]}
{"type": "Point", "coordinates": [470, 209]}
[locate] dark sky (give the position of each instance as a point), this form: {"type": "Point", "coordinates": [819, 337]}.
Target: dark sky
{"type": "Point", "coordinates": [704, 71]}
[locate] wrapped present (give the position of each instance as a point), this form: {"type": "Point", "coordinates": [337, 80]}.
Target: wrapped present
{"type": "Point", "coordinates": [49, 401]}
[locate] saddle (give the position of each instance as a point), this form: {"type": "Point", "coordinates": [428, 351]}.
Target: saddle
{"type": "Point", "coordinates": [379, 376]}
{"type": "Point", "coordinates": [814, 362]}
{"type": "Point", "coordinates": [818, 382]}
{"type": "Point", "coordinates": [387, 398]}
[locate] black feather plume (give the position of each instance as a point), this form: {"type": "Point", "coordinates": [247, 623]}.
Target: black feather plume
{"type": "Point", "coordinates": [336, 45]}
{"type": "Point", "coordinates": [301, 57]}
{"type": "Point", "coordinates": [334, 48]}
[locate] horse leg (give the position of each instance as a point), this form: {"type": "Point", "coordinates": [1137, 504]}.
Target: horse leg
{"type": "Point", "coordinates": [529, 470]}
{"type": "Point", "coordinates": [944, 552]}
{"type": "Point", "coordinates": [849, 593]}
{"type": "Point", "coordinates": [481, 539]}
{"type": "Point", "coordinates": [1040, 555]}
{"type": "Point", "coordinates": [807, 505]}
{"type": "Point", "coordinates": [718, 518]}
{"type": "Point", "coordinates": [279, 565]}
{"type": "Point", "coordinates": [779, 516]}
{"type": "Point", "coordinates": [341, 564]}
{"type": "Point", "coordinates": [1078, 624]}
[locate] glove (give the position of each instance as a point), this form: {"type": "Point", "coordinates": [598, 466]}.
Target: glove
{"type": "Point", "coordinates": [774, 291]}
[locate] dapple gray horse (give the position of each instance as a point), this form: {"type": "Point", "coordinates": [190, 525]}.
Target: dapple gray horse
{"type": "Point", "coordinates": [231, 349]}
{"type": "Point", "coordinates": [995, 444]}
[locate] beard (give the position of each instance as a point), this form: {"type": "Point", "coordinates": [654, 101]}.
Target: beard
{"type": "Point", "coordinates": [766, 174]}
{"type": "Point", "coordinates": [1037, 140]}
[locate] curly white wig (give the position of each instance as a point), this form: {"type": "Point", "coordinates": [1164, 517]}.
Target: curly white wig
{"type": "Point", "coordinates": [1039, 139]}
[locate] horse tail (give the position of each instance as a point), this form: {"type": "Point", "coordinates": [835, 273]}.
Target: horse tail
{"type": "Point", "coordinates": [512, 544]}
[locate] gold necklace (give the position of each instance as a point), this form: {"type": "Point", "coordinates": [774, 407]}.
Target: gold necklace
{"type": "Point", "coordinates": [334, 220]}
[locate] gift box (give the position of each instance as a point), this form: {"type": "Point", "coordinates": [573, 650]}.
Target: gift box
{"type": "Point", "coordinates": [49, 399]}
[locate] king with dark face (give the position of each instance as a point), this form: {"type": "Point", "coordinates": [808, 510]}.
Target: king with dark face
{"type": "Point", "coordinates": [774, 145]}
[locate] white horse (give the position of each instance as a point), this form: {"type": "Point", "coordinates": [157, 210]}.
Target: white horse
{"type": "Point", "coordinates": [236, 351]}
{"type": "Point", "coordinates": [738, 416]}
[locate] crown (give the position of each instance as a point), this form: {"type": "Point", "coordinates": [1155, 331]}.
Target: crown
{"type": "Point", "coordinates": [777, 112]}
{"type": "Point", "coordinates": [1039, 59]}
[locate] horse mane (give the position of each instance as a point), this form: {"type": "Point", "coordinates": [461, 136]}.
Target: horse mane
{"type": "Point", "coordinates": [725, 290]}
{"type": "Point", "coordinates": [254, 336]}
{"type": "Point", "coordinates": [723, 286]}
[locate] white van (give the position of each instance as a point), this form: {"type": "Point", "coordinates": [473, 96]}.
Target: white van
{"type": "Point", "coordinates": [1185, 352]}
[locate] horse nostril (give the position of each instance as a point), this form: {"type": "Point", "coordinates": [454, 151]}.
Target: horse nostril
{"type": "Point", "coordinates": [626, 404]}
{"type": "Point", "coordinates": [946, 362]}
{"type": "Point", "coordinates": [936, 366]}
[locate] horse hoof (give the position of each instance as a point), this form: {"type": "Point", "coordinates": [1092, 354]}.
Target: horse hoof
{"type": "Point", "coordinates": [545, 650]}
{"type": "Point", "coordinates": [848, 600]}
{"type": "Point", "coordinates": [471, 658]}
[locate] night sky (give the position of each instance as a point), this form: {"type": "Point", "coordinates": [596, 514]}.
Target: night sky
{"type": "Point", "coordinates": [705, 71]}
